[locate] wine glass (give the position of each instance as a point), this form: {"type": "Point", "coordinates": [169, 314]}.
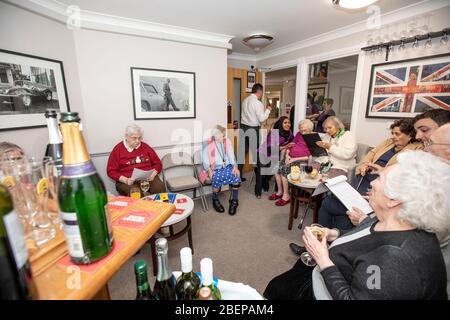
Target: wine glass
{"type": "Point", "coordinates": [53, 171]}
{"type": "Point", "coordinates": [318, 231]}
{"type": "Point", "coordinates": [308, 169]}
{"type": "Point", "coordinates": [145, 186]}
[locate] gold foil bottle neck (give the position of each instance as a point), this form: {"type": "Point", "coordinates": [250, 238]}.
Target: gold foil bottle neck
{"type": "Point", "coordinates": [74, 147]}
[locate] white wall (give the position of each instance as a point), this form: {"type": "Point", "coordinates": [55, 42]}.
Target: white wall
{"type": "Point", "coordinates": [104, 61]}
{"type": "Point", "coordinates": [25, 32]}
{"type": "Point", "coordinates": [98, 77]}
{"type": "Point", "coordinates": [369, 131]}
{"type": "Point", "coordinates": [335, 82]}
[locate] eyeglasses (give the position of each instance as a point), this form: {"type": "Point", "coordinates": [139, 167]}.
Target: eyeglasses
{"type": "Point", "coordinates": [429, 143]}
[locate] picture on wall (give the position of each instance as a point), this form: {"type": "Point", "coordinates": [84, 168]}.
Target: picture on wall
{"type": "Point", "coordinates": [346, 99]}
{"type": "Point", "coordinates": [163, 94]}
{"type": "Point", "coordinates": [318, 72]}
{"type": "Point", "coordinates": [318, 92]}
{"type": "Point", "coordinates": [406, 88]}
{"type": "Point", "coordinates": [251, 79]}
{"type": "Point", "coordinates": [28, 86]}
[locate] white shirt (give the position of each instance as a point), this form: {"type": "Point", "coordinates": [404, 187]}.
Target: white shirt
{"type": "Point", "coordinates": [130, 149]}
{"type": "Point", "coordinates": [253, 111]}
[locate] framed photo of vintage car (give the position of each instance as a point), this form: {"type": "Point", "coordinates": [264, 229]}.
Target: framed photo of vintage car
{"type": "Point", "coordinates": [28, 86]}
{"type": "Point", "coordinates": [163, 94]}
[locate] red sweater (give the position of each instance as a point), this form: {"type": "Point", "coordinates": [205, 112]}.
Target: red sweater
{"type": "Point", "coordinates": [121, 162]}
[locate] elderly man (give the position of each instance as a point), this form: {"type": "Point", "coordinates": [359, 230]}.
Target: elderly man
{"type": "Point", "coordinates": [132, 153]}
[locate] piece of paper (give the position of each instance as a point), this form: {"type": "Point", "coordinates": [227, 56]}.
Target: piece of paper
{"type": "Point", "coordinates": [348, 196]}
{"type": "Point", "coordinates": [139, 174]}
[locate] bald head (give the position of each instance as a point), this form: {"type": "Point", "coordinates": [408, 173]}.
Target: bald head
{"type": "Point", "coordinates": [440, 142]}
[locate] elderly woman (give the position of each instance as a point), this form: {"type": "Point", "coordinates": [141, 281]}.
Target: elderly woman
{"type": "Point", "coordinates": [341, 147]}
{"type": "Point", "coordinates": [394, 255]}
{"type": "Point", "coordinates": [220, 163]}
{"type": "Point", "coordinates": [133, 153]}
{"type": "Point", "coordinates": [285, 137]}
{"type": "Point", "coordinates": [326, 112]}
{"type": "Point", "coordinates": [332, 213]}
{"type": "Point", "coordinates": [295, 154]}
{"type": "Point", "coordinates": [10, 151]}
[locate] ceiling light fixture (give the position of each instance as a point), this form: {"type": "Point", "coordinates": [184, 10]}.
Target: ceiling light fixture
{"type": "Point", "coordinates": [353, 4]}
{"type": "Point", "coordinates": [258, 41]}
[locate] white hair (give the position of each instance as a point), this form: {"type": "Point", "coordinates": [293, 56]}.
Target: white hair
{"type": "Point", "coordinates": [420, 182]}
{"type": "Point", "coordinates": [336, 122]}
{"type": "Point", "coordinates": [308, 123]}
{"type": "Point", "coordinates": [132, 129]}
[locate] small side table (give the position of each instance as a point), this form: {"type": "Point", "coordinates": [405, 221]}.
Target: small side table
{"type": "Point", "coordinates": [184, 206]}
{"type": "Point", "coordinates": [307, 186]}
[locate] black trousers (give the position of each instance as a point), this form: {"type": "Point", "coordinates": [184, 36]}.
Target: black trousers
{"type": "Point", "coordinates": [244, 144]}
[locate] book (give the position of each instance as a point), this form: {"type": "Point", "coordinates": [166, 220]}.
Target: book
{"type": "Point", "coordinates": [314, 149]}
{"type": "Point", "coordinates": [345, 193]}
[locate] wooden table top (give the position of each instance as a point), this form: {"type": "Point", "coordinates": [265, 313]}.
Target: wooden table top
{"type": "Point", "coordinates": [57, 281]}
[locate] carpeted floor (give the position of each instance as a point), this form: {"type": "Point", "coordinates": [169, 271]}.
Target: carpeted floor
{"type": "Point", "coordinates": [250, 247]}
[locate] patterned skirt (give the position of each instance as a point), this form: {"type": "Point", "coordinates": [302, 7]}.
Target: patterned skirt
{"type": "Point", "coordinates": [224, 176]}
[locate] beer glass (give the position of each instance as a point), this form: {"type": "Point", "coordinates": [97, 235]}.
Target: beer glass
{"type": "Point", "coordinates": [318, 231]}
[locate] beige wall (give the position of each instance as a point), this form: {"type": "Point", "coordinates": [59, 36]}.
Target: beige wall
{"type": "Point", "coordinates": [97, 70]}
{"type": "Point", "coordinates": [25, 32]}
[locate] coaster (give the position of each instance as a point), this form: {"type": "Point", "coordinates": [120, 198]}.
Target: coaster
{"type": "Point", "coordinates": [135, 219]}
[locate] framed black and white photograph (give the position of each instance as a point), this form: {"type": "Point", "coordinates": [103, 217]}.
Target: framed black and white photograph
{"type": "Point", "coordinates": [28, 86]}
{"type": "Point", "coordinates": [251, 79]}
{"type": "Point", "coordinates": [163, 94]}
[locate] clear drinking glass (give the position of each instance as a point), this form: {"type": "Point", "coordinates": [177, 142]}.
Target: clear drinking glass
{"type": "Point", "coordinates": [145, 186]}
{"type": "Point", "coordinates": [319, 233]}
{"type": "Point", "coordinates": [32, 196]}
{"type": "Point", "coordinates": [53, 171]}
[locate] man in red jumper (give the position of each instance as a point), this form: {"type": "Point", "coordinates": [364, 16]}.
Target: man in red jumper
{"type": "Point", "coordinates": [133, 153]}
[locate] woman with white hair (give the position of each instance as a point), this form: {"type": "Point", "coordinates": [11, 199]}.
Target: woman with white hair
{"type": "Point", "coordinates": [341, 147]}
{"type": "Point", "coordinates": [394, 255]}
{"type": "Point", "coordinates": [296, 153]}
{"type": "Point", "coordinates": [133, 153]}
{"type": "Point", "coordinates": [220, 163]}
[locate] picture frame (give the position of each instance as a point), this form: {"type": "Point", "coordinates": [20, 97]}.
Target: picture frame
{"type": "Point", "coordinates": [251, 79]}
{"type": "Point", "coordinates": [320, 90]}
{"type": "Point", "coordinates": [318, 72]}
{"type": "Point", "coordinates": [29, 85]}
{"type": "Point", "coordinates": [160, 94]}
{"type": "Point", "coordinates": [404, 89]}
{"type": "Point", "coordinates": [346, 95]}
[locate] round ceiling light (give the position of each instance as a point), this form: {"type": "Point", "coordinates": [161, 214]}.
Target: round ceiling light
{"type": "Point", "coordinates": [353, 4]}
{"type": "Point", "coordinates": [258, 41]}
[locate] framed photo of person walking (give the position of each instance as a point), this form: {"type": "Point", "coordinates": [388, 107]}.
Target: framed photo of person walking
{"type": "Point", "coordinates": [163, 94]}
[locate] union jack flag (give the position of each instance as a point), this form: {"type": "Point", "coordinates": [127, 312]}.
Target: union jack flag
{"type": "Point", "coordinates": [406, 89]}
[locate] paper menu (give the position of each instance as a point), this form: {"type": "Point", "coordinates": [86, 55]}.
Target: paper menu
{"type": "Point", "coordinates": [139, 174]}
{"type": "Point", "coordinates": [346, 194]}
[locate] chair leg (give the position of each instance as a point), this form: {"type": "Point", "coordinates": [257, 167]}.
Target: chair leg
{"type": "Point", "coordinates": [153, 251]}
{"type": "Point", "coordinates": [203, 199]}
{"type": "Point", "coordinates": [300, 226]}
{"type": "Point", "coordinates": [291, 209]}
{"type": "Point", "coordinates": [191, 243]}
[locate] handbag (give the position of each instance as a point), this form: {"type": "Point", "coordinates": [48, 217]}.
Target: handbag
{"type": "Point", "coordinates": [202, 176]}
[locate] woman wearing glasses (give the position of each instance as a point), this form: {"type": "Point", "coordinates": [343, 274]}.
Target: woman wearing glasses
{"type": "Point", "coordinates": [131, 153]}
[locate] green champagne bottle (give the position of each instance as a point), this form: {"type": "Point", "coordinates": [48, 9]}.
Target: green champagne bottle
{"type": "Point", "coordinates": [188, 282]}
{"type": "Point", "coordinates": [82, 198]}
{"type": "Point", "coordinates": [16, 282]}
{"type": "Point", "coordinates": [164, 288]}
{"type": "Point", "coordinates": [142, 286]}
{"type": "Point", "coordinates": [206, 268]}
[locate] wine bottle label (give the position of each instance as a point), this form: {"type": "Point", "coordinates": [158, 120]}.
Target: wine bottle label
{"type": "Point", "coordinates": [71, 231]}
{"type": "Point", "coordinates": [108, 222]}
{"type": "Point", "coordinates": [78, 170]}
{"type": "Point", "coordinates": [16, 238]}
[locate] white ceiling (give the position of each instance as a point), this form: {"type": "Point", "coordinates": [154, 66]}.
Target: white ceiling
{"type": "Point", "coordinates": [289, 21]}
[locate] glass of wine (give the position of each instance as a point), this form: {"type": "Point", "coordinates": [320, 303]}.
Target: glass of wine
{"type": "Point", "coordinates": [145, 186]}
{"type": "Point", "coordinates": [308, 169]}
{"type": "Point", "coordinates": [135, 193]}
{"type": "Point", "coordinates": [318, 231]}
